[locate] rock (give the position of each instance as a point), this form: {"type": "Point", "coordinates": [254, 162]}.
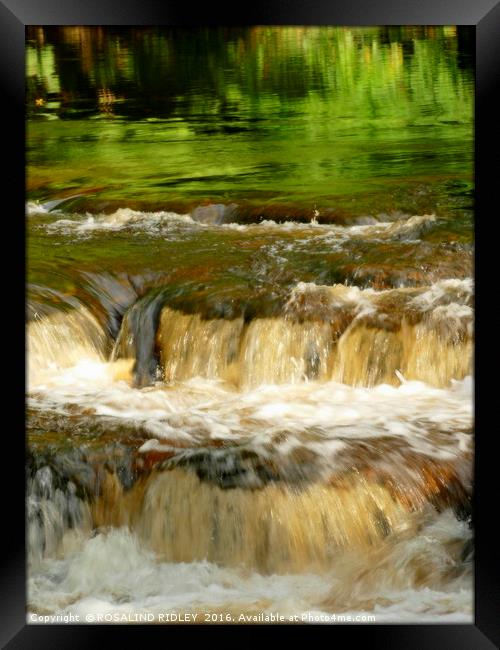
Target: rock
{"type": "Point", "coordinates": [52, 205]}
{"type": "Point", "coordinates": [215, 214]}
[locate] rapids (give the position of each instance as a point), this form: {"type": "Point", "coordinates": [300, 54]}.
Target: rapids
{"type": "Point", "coordinates": [250, 324]}
{"type": "Point", "coordinates": [231, 456]}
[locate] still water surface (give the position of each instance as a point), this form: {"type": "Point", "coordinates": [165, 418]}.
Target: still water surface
{"type": "Point", "coordinates": [332, 118]}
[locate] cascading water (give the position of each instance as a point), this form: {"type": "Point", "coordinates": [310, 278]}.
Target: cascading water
{"type": "Point", "coordinates": [269, 444]}
{"type": "Point", "coordinates": [250, 323]}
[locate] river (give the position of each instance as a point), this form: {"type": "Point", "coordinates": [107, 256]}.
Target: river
{"type": "Point", "coordinates": [250, 324]}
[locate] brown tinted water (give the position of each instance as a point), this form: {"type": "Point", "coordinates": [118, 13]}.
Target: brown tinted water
{"type": "Point", "coordinates": [250, 336]}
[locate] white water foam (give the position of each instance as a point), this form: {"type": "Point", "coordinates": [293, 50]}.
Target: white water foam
{"type": "Point", "coordinates": [208, 410]}
{"type": "Point", "coordinates": [33, 208]}
{"type": "Point", "coordinates": [156, 223]}
{"type": "Point", "coordinates": [203, 409]}
{"type": "Point", "coordinates": [122, 219]}
{"type": "Point", "coordinates": [448, 297]}
{"type": "Point", "coordinates": [113, 573]}
{"type": "Point", "coordinates": [445, 293]}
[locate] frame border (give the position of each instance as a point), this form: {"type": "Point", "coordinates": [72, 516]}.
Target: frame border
{"type": "Point", "coordinates": [485, 16]}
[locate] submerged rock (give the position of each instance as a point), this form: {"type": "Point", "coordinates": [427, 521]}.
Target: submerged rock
{"type": "Point", "coordinates": [215, 214]}
{"type": "Point", "coordinates": [52, 205]}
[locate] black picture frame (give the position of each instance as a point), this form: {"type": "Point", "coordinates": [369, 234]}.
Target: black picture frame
{"type": "Point", "coordinates": [485, 16]}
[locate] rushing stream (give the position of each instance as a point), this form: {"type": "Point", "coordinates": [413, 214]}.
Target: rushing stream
{"type": "Point", "coordinates": [250, 390]}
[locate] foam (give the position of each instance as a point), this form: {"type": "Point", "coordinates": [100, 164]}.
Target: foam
{"type": "Point", "coordinates": [113, 572]}
{"type": "Point", "coordinates": [122, 219]}
{"type": "Point", "coordinates": [201, 409]}
{"type": "Point", "coordinates": [157, 223]}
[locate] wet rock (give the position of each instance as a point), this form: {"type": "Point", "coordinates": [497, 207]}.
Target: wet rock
{"type": "Point", "coordinates": [215, 213]}
{"type": "Point", "coordinates": [52, 205]}
{"type": "Point", "coordinates": [137, 335]}
{"type": "Point", "coordinates": [467, 554]}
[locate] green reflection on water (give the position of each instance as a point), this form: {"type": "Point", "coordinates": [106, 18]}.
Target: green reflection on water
{"type": "Point", "coordinates": [304, 116]}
